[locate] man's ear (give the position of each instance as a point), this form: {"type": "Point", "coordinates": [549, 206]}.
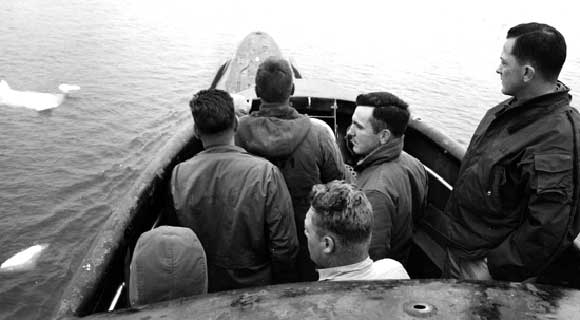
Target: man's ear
{"type": "Point", "coordinates": [196, 131]}
{"type": "Point", "coordinates": [292, 91]}
{"type": "Point", "coordinates": [235, 123]}
{"type": "Point", "coordinates": [384, 136]}
{"type": "Point", "coordinates": [529, 73]}
{"type": "Point", "coordinates": [258, 93]}
{"type": "Point", "coordinates": [329, 244]}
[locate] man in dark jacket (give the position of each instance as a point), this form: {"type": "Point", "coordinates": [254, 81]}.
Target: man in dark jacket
{"type": "Point", "coordinates": [303, 148]}
{"type": "Point", "coordinates": [513, 209]}
{"type": "Point", "coordinates": [394, 181]}
{"type": "Point", "coordinates": [237, 203]}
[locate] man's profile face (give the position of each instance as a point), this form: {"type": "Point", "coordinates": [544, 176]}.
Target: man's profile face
{"type": "Point", "coordinates": [361, 133]}
{"type": "Point", "coordinates": [510, 70]}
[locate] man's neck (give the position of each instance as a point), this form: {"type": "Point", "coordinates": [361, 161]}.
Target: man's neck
{"type": "Point", "coordinates": [266, 104]}
{"type": "Point", "coordinates": [345, 260]}
{"type": "Point", "coordinates": [220, 139]}
{"type": "Point", "coordinates": [536, 90]}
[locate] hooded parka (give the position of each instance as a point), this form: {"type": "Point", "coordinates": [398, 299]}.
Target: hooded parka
{"type": "Point", "coordinates": [306, 152]}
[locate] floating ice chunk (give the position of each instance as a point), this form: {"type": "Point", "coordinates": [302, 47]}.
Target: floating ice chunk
{"type": "Point", "coordinates": [23, 260]}
{"type": "Point", "coordinates": [34, 100]}
{"type": "Point", "coordinates": [66, 88]}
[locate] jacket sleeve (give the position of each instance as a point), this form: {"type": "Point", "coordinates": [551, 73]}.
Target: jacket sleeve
{"type": "Point", "coordinates": [383, 208]}
{"type": "Point", "coordinates": [333, 167]}
{"type": "Point", "coordinates": [283, 240]}
{"type": "Point", "coordinates": [169, 213]}
{"type": "Point", "coordinates": [541, 235]}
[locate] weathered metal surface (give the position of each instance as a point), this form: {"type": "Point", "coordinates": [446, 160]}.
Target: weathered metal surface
{"type": "Point", "coordinates": [112, 240]}
{"type": "Point", "coordinates": [438, 137]}
{"type": "Point", "coordinates": [411, 299]}
{"type": "Point", "coordinates": [241, 72]}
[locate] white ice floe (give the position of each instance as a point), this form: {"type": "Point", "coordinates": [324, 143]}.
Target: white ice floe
{"type": "Point", "coordinates": [23, 260]}
{"type": "Point", "coordinates": [34, 100]}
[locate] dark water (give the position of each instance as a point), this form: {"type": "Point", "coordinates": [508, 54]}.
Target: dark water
{"type": "Point", "coordinates": [62, 172]}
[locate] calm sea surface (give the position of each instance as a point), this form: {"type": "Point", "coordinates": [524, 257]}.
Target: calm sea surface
{"type": "Point", "coordinates": [63, 172]}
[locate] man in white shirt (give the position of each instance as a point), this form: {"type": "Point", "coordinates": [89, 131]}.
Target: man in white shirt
{"type": "Point", "coordinates": [338, 229]}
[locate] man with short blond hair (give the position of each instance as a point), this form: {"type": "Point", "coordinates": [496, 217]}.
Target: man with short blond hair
{"type": "Point", "coordinates": [338, 230]}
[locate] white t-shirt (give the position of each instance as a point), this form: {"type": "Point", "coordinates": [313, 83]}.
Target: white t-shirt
{"type": "Point", "coordinates": [385, 269]}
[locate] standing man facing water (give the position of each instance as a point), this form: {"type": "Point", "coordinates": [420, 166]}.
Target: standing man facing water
{"type": "Point", "coordinates": [394, 181]}
{"type": "Point", "coordinates": [514, 207]}
{"type": "Point", "coordinates": [303, 148]}
{"type": "Point", "coordinates": [237, 204]}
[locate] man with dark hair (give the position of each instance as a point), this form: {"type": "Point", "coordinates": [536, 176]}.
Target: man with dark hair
{"type": "Point", "coordinates": [394, 181]}
{"type": "Point", "coordinates": [514, 208]}
{"type": "Point", "coordinates": [303, 148]}
{"type": "Point", "coordinates": [237, 204]}
{"type": "Point", "coordinates": [338, 230]}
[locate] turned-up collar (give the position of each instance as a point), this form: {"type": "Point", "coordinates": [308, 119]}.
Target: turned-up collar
{"type": "Point", "coordinates": [542, 101]}
{"type": "Point", "coordinates": [530, 110]}
{"type": "Point", "coordinates": [219, 148]}
{"type": "Point", "coordinates": [385, 153]}
{"type": "Point", "coordinates": [281, 110]}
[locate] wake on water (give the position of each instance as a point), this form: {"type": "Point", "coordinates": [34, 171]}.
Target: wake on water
{"type": "Point", "coordinates": [38, 101]}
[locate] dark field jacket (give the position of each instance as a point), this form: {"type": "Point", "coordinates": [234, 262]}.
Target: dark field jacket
{"type": "Point", "coordinates": [396, 185]}
{"type": "Point", "coordinates": [515, 201]}
{"type": "Point", "coordinates": [240, 209]}
{"type": "Point", "coordinates": [306, 152]}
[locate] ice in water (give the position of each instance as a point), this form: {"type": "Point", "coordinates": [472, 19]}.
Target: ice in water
{"type": "Point", "coordinates": [23, 260]}
{"type": "Point", "coordinates": [38, 101]}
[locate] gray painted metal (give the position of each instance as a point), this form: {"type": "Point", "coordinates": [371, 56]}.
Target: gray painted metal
{"type": "Point", "coordinates": [112, 238]}
{"type": "Point", "coordinates": [411, 299]}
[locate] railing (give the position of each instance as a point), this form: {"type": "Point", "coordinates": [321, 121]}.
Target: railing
{"type": "Point", "coordinates": [119, 291]}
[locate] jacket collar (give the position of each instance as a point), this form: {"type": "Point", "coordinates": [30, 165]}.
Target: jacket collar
{"type": "Point", "coordinates": [222, 148]}
{"type": "Point", "coordinates": [278, 110]}
{"type": "Point", "coordinates": [536, 102]}
{"type": "Point", "coordinates": [331, 273]}
{"type": "Point", "coordinates": [382, 154]}
{"type": "Point", "coordinates": [531, 110]}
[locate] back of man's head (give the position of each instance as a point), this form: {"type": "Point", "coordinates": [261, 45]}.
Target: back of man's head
{"type": "Point", "coordinates": [213, 111]}
{"type": "Point", "coordinates": [274, 80]}
{"type": "Point", "coordinates": [390, 112]}
{"type": "Point", "coordinates": [344, 211]}
{"type": "Point", "coordinates": [541, 45]}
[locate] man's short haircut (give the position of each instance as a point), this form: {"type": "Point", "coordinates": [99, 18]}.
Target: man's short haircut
{"type": "Point", "coordinates": [540, 45]}
{"type": "Point", "coordinates": [274, 82]}
{"type": "Point", "coordinates": [344, 210]}
{"type": "Point", "coordinates": [213, 111]}
{"type": "Point", "coordinates": [390, 112]}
